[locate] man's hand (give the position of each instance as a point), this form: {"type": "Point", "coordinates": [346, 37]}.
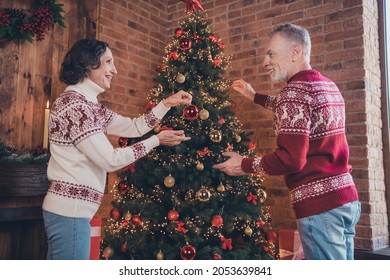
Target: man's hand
{"type": "Point", "coordinates": [232, 166]}
{"type": "Point", "coordinates": [244, 89]}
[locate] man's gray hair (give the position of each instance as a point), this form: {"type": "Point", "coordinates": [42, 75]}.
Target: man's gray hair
{"type": "Point", "coordinates": [297, 34]}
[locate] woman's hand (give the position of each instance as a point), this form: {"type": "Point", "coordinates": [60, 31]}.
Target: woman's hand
{"type": "Point", "coordinates": [244, 89]}
{"type": "Point", "coordinates": [172, 137]}
{"type": "Point", "coordinates": [180, 97]}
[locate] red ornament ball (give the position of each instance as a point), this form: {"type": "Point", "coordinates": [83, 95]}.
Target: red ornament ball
{"type": "Point", "coordinates": [191, 112]}
{"type": "Point", "coordinates": [136, 220]}
{"type": "Point", "coordinates": [123, 187]}
{"type": "Point", "coordinates": [178, 32]}
{"type": "Point", "coordinates": [115, 214]}
{"type": "Point", "coordinates": [217, 221]}
{"type": "Point", "coordinates": [272, 236]}
{"type": "Point", "coordinates": [185, 44]}
{"type": "Point", "coordinates": [188, 252]}
{"type": "Point", "coordinates": [173, 215]}
{"type": "Point", "coordinates": [122, 141]}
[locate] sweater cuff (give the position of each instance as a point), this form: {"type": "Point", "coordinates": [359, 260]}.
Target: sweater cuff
{"type": "Point", "coordinates": [252, 165]}
{"type": "Point", "coordinates": [151, 143]}
{"type": "Point", "coordinates": [260, 99]}
{"type": "Point", "coordinates": [160, 110]}
{"type": "Point", "coordinates": [246, 165]}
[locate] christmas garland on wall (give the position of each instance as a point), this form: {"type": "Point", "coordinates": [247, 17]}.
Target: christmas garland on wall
{"type": "Point", "coordinates": [17, 24]}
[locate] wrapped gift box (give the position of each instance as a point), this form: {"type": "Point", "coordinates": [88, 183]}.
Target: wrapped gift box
{"type": "Point", "coordinates": [96, 223]}
{"type": "Point", "coordinates": [290, 247]}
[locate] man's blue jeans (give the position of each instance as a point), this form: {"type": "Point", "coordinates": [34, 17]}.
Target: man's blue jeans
{"type": "Point", "coordinates": [68, 238]}
{"type": "Point", "coordinates": [329, 235]}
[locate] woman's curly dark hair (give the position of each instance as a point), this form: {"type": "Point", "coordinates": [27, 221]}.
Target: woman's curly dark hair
{"type": "Point", "coordinates": [81, 58]}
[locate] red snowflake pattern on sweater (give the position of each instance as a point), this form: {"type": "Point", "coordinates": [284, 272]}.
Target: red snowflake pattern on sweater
{"type": "Point", "coordinates": [76, 191]}
{"type": "Point", "coordinates": [321, 187]}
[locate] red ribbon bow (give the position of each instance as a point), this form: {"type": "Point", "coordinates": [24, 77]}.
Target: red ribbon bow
{"type": "Point", "coordinates": [150, 105]}
{"type": "Point", "coordinates": [173, 55]}
{"type": "Point", "coordinates": [192, 5]}
{"type": "Point", "coordinates": [180, 227]}
{"type": "Point", "coordinates": [204, 152]}
{"type": "Point", "coordinates": [130, 167]}
{"type": "Point", "coordinates": [214, 38]}
{"type": "Point", "coordinates": [226, 243]}
{"type": "Point", "coordinates": [164, 127]}
{"type": "Point", "coordinates": [252, 197]}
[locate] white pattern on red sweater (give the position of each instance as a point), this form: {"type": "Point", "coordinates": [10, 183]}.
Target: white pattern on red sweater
{"type": "Point", "coordinates": [312, 151]}
{"type": "Point", "coordinates": [81, 154]}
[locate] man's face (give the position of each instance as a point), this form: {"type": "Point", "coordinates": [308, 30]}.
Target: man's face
{"type": "Point", "coordinates": [278, 58]}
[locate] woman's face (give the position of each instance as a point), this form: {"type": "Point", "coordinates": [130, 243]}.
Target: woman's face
{"type": "Point", "coordinates": [103, 75]}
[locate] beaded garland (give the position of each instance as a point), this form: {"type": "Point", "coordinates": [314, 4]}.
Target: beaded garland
{"type": "Point", "coordinates": [16, 24]}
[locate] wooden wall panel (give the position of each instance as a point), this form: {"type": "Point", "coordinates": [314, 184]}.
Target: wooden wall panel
{"type": "Point", "coordinates": [29, 77]}
{"type": "Point", "coordinates": [30, 71]}
{"type": "Point", "coordinates": [9, 64]}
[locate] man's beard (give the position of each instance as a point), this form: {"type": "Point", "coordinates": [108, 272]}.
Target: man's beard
{"type": "Point", "coordinates": [279, 76]}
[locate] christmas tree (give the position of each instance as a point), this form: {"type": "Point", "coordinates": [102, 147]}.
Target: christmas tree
{"type": "Point", "coordinates": [171, 204]}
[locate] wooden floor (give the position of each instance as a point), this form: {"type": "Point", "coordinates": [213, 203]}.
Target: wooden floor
{"type": "Point", "coordinates": [382, 254]}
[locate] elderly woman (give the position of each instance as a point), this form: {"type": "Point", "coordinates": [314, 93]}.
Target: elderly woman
{"type": "Point", "coordinates": [81, 153]}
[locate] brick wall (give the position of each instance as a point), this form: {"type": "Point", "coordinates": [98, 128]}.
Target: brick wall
{"type": "Point", "coordinates": [345, 48]}
{"type": "Point", "coordinates": [136, 31]}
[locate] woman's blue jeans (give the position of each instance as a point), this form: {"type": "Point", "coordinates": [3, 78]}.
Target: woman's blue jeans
{"type": "Point", "coordinates": [68, 238]}
{"type": "Point", "coordinates": [329, 235]}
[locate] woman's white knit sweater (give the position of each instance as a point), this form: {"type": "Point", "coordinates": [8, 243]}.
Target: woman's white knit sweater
{"type": "Point", "coordinates": [81, 154]}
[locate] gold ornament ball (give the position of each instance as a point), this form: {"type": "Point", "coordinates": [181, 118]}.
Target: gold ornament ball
{"type": "Point", "coordinates": [262, 195]}
{"type": "Point", "coordinates": [204, 114]}
{"type": "Point", "coordinates": [203, 194]}
{"type": "Point", "coordinates": [160, 255]}
{"type": "Point", "coordinates": [157, 128]}
{"type": "Point", "coordinates": [169, 181]}
{"type": "Point", "coordinates": [248, 231]}
{"type": "Point", "coordinates": [157, 90]}
{"type": "Point", "coordinates": [199, 166]}
{"type": "Point", "coordinates": [108, 252]}
{"type": "Point", "coordinates": [127, 216]}
{"type": "Point", "coordinates": [221, 188]}
{"type": "Point", "coordinates": [216, 136]}
{"type": "Point", "coordinates": [180, 78]}
{"type": "Point", "coordinates": [238, 138]}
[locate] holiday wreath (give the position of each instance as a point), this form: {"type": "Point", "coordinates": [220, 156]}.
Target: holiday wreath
{"type": "Point", "coordinates": [17, 24]}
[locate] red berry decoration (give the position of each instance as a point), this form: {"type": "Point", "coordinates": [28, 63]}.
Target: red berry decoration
{"type": "Point", "coordinates": [173, 215]}
{"type": "Point", "coordinates": [217, 257]}
{"type": "Point", "coordinates": [185, 44]}
{"type": "Point", "coordinates": [197, 37]}
{"type": "Point", "coordinates": [123, 187]}
{"type": "Point", "coordinates": [122, 141]}
{"type": "Point", "coordinates": [124, 247]}
{"type": "Point", "coordinates": [115, 214]}
{"type": "Point", "coordinates": [188, 252]}
{"type": "Point", "coordinates": [136, 220]}
{"type": "Point", "coordinates": [217, 221]}
{"type": "Point", "coordinates": [191, 112]}
{"type": "Point", "coordinates": [178, 32]}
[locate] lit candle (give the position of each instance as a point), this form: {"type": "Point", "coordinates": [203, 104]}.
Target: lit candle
{"type": "Point", "coordinates": [46, 126]}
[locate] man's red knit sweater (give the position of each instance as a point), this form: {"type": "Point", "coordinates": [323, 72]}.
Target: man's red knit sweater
{"type": "Point", "coordinates": [312, 150]}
